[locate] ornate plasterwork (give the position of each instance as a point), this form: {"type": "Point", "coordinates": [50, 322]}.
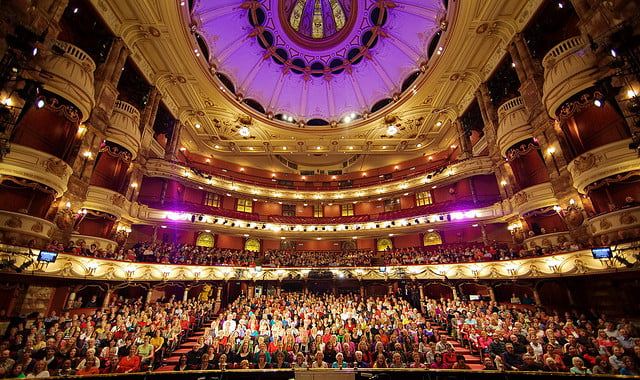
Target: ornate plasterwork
{"type": "Point", "coordinates": [37, 166]}
{"type": "Point", "coordinates": [70, 76]}
{"type": "Point", "coordinates": [603, 162]}
{"type": "Point", "coordinates": [533, 198]}
{"type": "Point", "coordinates": [610, 225]}
{"type": "Point", "coordinates": [72, 266]}
{"type": "Point", "coordinates": [24, 227]}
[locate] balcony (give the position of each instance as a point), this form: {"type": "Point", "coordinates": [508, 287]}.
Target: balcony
{"type": "Point", "coordinates": [558, 265]}
{"type": "Point", "coordinates": [102, 244]}
{"type": "Point", "coordinates": [617, 225]}
{"type": "Point", "coordinates": [105, 200]}
{"type": "Point", "coordinates": [24, 227]}
{"type": "Point", "coordinates": [230, 183]}
{"type": "Point", "coordinates": [602, 162]}
{"type": "Point", "coordinates": [513, 124]}
{"type": "Point", "coordinates": [569, 68]}
{"type": "Point", "coordinates": [547, 240]}
{"type": "Point", "coordinates": [533, 198]}
{"type": "Point", "coordinates": [37, 166]}
{"type": "Point", "coordinates": [124, 128]}
{"type": "Point", "coordinates": [68, 73]}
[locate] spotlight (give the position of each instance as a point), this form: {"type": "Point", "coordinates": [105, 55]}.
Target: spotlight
{"type": "Point", "coordinates": [200, 218]}
{"type": "Point", "coordinates": [417, 221]}
{"type": "Point", "coordinates": [598, 103]}
{"type": "Point", "coordinates": [215, 220]}
{"type": "Point", "coordinates": [39, 103]}
{"type": "Point", "coordinates": [193, 218]}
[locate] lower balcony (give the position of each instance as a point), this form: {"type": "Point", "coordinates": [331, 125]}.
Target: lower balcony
{"type": "Point", "coordinates": [533, 198]}
{"type": "Point", "coordinates": [615, 226]}
{"type": "Point", "coordinates": [22, 229]}
{"type": "Point", "coordinates": [555, 239]}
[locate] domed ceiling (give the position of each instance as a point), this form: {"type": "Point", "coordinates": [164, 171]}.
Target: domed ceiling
{"type": "Point", "coordinates": [331, 60]}
{"type": "Point", "coordinates": [325, 84]}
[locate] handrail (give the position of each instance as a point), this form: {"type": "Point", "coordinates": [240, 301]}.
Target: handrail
{"type": "Point", "coordinates": [565, 47]}
{"type": "Point", "coordinates": [75, 53]}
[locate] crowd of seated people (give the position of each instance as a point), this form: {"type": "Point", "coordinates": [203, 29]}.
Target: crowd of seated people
{"type": "Point", "coordinates": [126, 337]}
{"type": "Point", "coordinates": [529, 339]}
{"type": "Point", "coordinates": [285, 258]}
{"type": "Point", "coordinates": [464, 253]}
{"type": "Point", "coordinates": [171, 253]}
{"type": "Point", "coordinates": [296, 330]}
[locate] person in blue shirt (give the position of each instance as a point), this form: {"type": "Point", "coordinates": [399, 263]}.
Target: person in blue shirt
{"type": "Point", "coordinates": [340, 363]}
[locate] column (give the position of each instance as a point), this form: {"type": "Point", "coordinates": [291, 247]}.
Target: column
{"type": "Point", "coordinates": [172, 149]}
{"type": "Point", "coordinates": [464, 142]}
{"type": "Point", "coordinates": [251, 290]}
{"type": "Point", "coordinates": [390, 289]}
{"type": "Point", "coordinates": [107, 297]}
{"type": "Point", "coordinates": [492, 294]}
{"type": "Point", "coordinates": [455, 292]}
{"type": "Point", "coordinates": [71, 299]}
{"type": "Point", "coordinates": [485, 239]}
{"type": "Point", "coordinates": [570, 296]}
{"type": "Point", "coordinates": [362, 290]}
{"type": "Point", "coordinates": [185, 296]}
{"type": "Point", "coordinates": [149, 296]}
{"type": "Point", "coordinates": [536, 296]}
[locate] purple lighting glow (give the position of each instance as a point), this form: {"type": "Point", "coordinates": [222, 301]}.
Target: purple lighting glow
{"type": "Point", "coordinates": [357, 55]}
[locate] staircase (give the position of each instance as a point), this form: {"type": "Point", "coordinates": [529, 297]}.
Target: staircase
{"type": "Point", "coordinates": [474, 361]}
{"type": "Point", "coordinates": [172, 358]}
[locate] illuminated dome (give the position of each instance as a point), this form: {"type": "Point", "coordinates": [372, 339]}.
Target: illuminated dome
{"type": "Point", "coordinates": [317, 59]}
{"type": "Point", "coordinates": [317, 19]}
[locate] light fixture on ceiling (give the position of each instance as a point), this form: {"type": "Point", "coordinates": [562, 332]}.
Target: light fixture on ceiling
{"type": "Point", "coordinates": [318, 147]}
{"type": "Point", "coordinates": [250, 148]}
{"type": "Point", "coordinates": [197, 125]}
{"type": "Point", "coordinates": [244, 131]}
{"type": "Point", "coordinates": [438, 123]}
{"type": "Point", "coordinates": [217, 146]}
{"type": "Point", "coordinates": [384, 147]}
{"type": "Point", "coordinates": [392, 130]}
{"type": "Point", "coordinates": [284, 148]}
{"type": "Point", "coordinates": [419, 145]}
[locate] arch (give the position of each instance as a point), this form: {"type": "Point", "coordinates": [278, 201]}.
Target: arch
{"type": "Point", "coordinates": [205, 240]}
{"type": "Point", "coordinates": [431, 238]}
{"type": "Point", "coordinates": [252, 244]}
{"type": "Point", "coordinates": [384, 244]}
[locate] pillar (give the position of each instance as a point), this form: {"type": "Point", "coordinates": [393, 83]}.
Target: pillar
{"type": "Point", "coordinates": [570, 296]}
{"type": "Point", "coordinates": [172, 149]}
{"type": "Point", "coordinates": [464, 142]}
{"type": "Point", "coordinates": [185, 296]}
{"type": "Point", "coordinates": [149, 296]}
{"type": "Point", "coordinates": [251, 290]}
{"type": "Point", "coordinates": [536, 296]}
{"type": "Point", "coordinates": [362, 290]}
{"type": "Point", "coordinates": [107, 298]}
{"type": "Point", "coordinates": [492, 294]}
{"type": "Point", "coordinates": [485, 238]}
{"type": "Point", "coordinates": [455, 293]}
{"type": "Point", "coordinates": [71, 299]}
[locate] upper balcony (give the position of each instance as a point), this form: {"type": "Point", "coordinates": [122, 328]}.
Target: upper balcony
{"type": "Point", "coordinates": [513, 124]}
{"type": "Point", "coordinates": [419, 179]}
{"type": "Point", "coordinates": [533, 198]}
{"type": "Point", "coordinates": [602, 162]}
{"type": "Point", "coordinates": [67, 71]}
{"type": "Point", "coordinates": [124, 127]}
{"type": "Point", "coordinates": [569, 68]}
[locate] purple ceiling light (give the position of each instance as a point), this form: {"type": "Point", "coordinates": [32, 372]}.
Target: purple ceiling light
{"type": "Point", "coordinates": [317, 59]}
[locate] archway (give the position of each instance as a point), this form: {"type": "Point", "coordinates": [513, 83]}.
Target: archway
{"type": "Point", "coordinates": [205, 240]}
{"type": "Point", "coordinates": [431, 238]}
{"type": "Point", "coordinates": [384, 244]}
{"type": "Point", "coordinates": [252, 244]}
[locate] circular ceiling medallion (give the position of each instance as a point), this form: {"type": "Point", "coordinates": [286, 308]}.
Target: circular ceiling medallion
{"type": "Point", "coordinates": [317, 24]}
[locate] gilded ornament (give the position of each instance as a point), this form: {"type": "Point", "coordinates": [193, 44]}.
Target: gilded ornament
{"type": "Point", "coordinates": [562, 239]}
{"type": "Point", "coordinates": [605, 224]}
{"type": "Point", "coordinates": [627, 218]}
{"type": "Point", "coordinates": [586, 162]}
{"type": "Point", "coordinates": [14, 222]}
{"type": "Point", "coordinates": [37, 227]}
{"type": "Point", "coordinates": [55, 167]}
{"type": "Point", "coordinates": [117, 200]}
{"type": "Point", "coordinates": [546, 242]}
{"type": "Point", "coordinates": [520, 198]}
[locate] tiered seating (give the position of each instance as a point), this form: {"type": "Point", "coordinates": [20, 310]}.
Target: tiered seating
{"type": "Point", "coordinates": [320, 220]}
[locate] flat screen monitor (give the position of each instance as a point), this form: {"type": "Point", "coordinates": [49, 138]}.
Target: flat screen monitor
{"type": "Point", "coordinates": [474, 297]}
{"type": "Point", "coordinates": [47, 256]}
{"type": "Point", "coordinates": [601, 253]}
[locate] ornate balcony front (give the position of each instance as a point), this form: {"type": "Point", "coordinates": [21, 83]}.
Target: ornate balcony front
{"type": "Point", "coordinates": [547, 240]}
{"type": "Point", "coordinates": [124, 127]}
{"type": "Point", "coordinates": [102, 244]}
{"type": "Point", "coordinates": [513, 124]}
{"type": "Point", "coordinates": [105, 200]}
{"type": "Point", "coordinates": [602, 162]}
{"type": "Point", "coordinates": [22, 228]}
{"type": "Point", "coordinates": [80, 267]}
{"type": "Point", "coordinates": [616, 225]}
{"type": "Point", "coordinates": [533, 198]}
{"type": "Point", "coordinates": [569, 67]}
{"type": "Point", "coordinates": [68, 72]}
{"type": "Point", "coordinates": [37, 166]}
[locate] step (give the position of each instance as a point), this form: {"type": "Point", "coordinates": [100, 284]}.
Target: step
{"type": "Point", "coordinates": [189, 344]}
{"type": "Point", "coordinates": [181, 351]}
{"type": "Point", "coordinates": [172, 360]}
{"type": "Point", "coordinates": [165, 368]}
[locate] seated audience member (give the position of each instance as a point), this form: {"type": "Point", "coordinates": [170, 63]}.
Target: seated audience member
{"type": "Point", "coordinates": [299, 362]}
{"type": "Point", "coordinates": [460, 363]}
{"type": "Point", "coordinates": [602, 366]}
{"type": "Point", "coordinates": [65, 369]}
{"type": "Point", "coordinates": [131, 362]}
{"type": "Point", "coordinates": [416, 363]}
{"type": "Point", "coordinates": [340, 363]}
{"type": "Point", "coordinates": [530, 363]}
{"type": "Point", "coordinates": [89, 368]}
{"type": "Point", "coordinates": [488, 364]}
{"type": "Point", "coordinates": [511, 360]}
{"type": "Point", "coordinates": [280, 360]}
{"type": "Point", "coordinates": [578, 367]}
{"type": "Point", "coordinates": [182, 364]}
{"type": "Point", "coordinates": [630, 367]}
{"type": "Point", "coordinates": [438, 362]}
{"type": "Point", "coordinates": [40, 370]}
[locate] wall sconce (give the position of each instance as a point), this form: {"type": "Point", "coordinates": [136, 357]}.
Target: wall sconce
{"type": "Point", "coordinates": [512, 270]}
{"type": "Point", "coordinates": [165, 275]}
{"type": "Point", "coordinates": [91, 269]}
{"type": "Point", "coordinates": [554, 265]}
{"type": "Point", "coordinates": [129, 272]}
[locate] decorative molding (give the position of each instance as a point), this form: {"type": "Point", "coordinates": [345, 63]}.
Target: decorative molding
{"type": "Point", "coordinates": [70, 76]}
{"type": "Point", "coordinates": [24, 227]}
{"type": "Point", "coordinates": [36, 166]}
{"type": "Point", "coordinates": [569, 68]}
{"type": "Point", "coordinates": [513, 124]}
{"type": "Point", "coordinates": [101, 243]}
{"type": "Point", "coordinates": [533, 198]}
{"type": "Point", "coordinates": [80, 267]}
{"type": "Point", "coordinates": [124, 128]}
{"type": "Point", "coordinates": [105, 200]}
{"type": "Point", "coordinates": [603, 162]}
{"type": "Point", "coordinates": [610, 226]}
{"type": "Point", "coordinates": [547, 240]}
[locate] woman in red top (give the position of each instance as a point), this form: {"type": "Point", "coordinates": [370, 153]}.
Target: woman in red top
{"type": "Point", "coordinates": [89, 368]}
{"type": "Point", "coordinates": [131, 362]}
